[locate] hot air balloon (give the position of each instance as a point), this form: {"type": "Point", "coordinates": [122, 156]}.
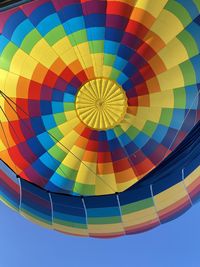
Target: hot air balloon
{"type": "Point", "coordinates": [100, 113]}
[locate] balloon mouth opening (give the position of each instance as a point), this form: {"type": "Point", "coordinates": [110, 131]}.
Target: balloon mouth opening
{"type": "Point", "coordinates": [101, 104]}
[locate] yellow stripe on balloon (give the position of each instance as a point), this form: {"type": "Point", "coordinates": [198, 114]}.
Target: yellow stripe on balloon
{"type": "Point", "coordinates": [173, 54]}
{"type": "Point", "coordinates": [167, 26]}
{"type": "Point", "coordinates": [43, 53]}
{"type": "Point", "coordinates": [153, 7]}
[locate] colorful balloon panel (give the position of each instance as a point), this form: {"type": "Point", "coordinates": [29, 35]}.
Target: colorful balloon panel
{"type": "Point", "coordinates": [157, 199]}
{"type": "Point", "coordinates": [95, 97]}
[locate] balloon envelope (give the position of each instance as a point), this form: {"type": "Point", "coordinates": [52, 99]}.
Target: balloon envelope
{"type": "Point", "coordinates": [100, 113]}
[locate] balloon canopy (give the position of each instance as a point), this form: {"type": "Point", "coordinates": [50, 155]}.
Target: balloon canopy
{"type": "Point", "coordinates": [99, 112]}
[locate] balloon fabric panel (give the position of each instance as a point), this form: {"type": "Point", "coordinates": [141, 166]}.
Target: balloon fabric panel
{"type": "Point", "coordinates": [94, 97]}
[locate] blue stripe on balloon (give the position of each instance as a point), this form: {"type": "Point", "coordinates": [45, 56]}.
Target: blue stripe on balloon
{"type": "Point", "coordinates": [194, 29]}
{"type": "Point", "coordinates": [106, 201]}
{"type": "Point", "coordinates": [190, 6]}
{"type": "Point", "coordinates": [47, 24]}
{"type": "Point", "coordinates": [149, 148]}
{"type": "Point", "coordinates": [66, 217]}
{"type": "Point", "coordinates": [166, 182]}
{"type": "Point", "coordinates": [170, 136]}
{"type": "Point", "coordinates": [177, 118]}
{"type": "Point", "coordinates": [95, 33]}
{"type": "Point", "coordinates": [36, 146]}
{"type": "Point", "coordinates": [191, 94]}
{"type": "Point", "coordinates": [53, 164]}
{"type": "Point", "coordinates": [57, 96]}
{"type": "Point", "coordinates": [74, 25]}
{"type": "Point", "coordinates": [135, 194]}
{"type": "Point", "coordinates": [122, 78]}
{"type": "Point", "coordinates": [131, 148]}
{"type": "Point", "coordinates": [119, 63]}
{"type": "Point", "coordinates": [110, 134]}
{"type": "Point", "coordinates": [45, 107]}
{"type": "Point", "coordinates": [46, 140]}
{"type": "Point", "coordinates": [130, 69]}
{"type": "Point", "coordinates": [69, 98]}
{"type": "Point", "coordinates": [3, 43]}
{"type": "Point", "coordinates": [41, 213]}
{"type": "Point", "coordinates": [110, 47]}
{"type": "Point", "coordinates": [60, 181]}
{"type": "Point", "coordinates": [21, 32]}
{"type": "Point", "coordinates": [37, 125]}
{"type": "Point", "coordinates": [11, 24]}
{"type": "Point", "coordinates": [103, 212]}
{"type": "Point", "coordinates": [49, 122]}
{"type": "Point", "coordinates": [124, 138]}
{"type": "Point", "coordinates": [160, 133]}
{"type": "Point", "coordinates": [57, 107]}
{"type": "Point", "coordinates": [71, 89]}
{"type": "Point", "coordinates": [141, 139]}
{"type": "Point", "coordinates": [112, 34]}
{"type": "Point", "coordinates": [128, 85]}
{"type": "Point", "coordinates": [102, 136]}
{"type": "Point", "coordinates": [125, 52]}
{"type": "Point", "coordinates": [42, 169]}
{"type": "Point", "coordinates": [41, 13]}
{"type": "Point", "coordinates": [95, 20]}
{"type": "Point", "coordinates": [195, 62]}
{"type": "Point", "coordinates": [69, 12]}
{"type": "Point", "coordinates": [114, 144]}
{"type": "Point", "coordinates": [61, 202]}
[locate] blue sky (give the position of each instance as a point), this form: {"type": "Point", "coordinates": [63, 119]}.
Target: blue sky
{"type": "Point", "coordinates": [24, 244]}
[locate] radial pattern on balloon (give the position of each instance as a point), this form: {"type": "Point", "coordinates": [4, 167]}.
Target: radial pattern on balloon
{"type": "Point", "coordinates": [95, 94]}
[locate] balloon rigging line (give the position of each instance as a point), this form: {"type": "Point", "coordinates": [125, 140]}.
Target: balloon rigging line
{"type": "Point", "coordinates": [185, 187]}
{"type": "Point", "coordinates": [23, 123]}
{"type": "Point", "coordinates": [8, 120]}
{"type": "Point", "coordinates": [4, 95]}
{"type": "Point", "coordinates": [6, 99]}
{"type": "Point", "coordinates": [59, 143]}
{"type": "Point", "coordinates": [121, 214]}
{"type": "Point", "coordinates": [154, 202]}
{"type": "Point", "coordinates": [5, 134]}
